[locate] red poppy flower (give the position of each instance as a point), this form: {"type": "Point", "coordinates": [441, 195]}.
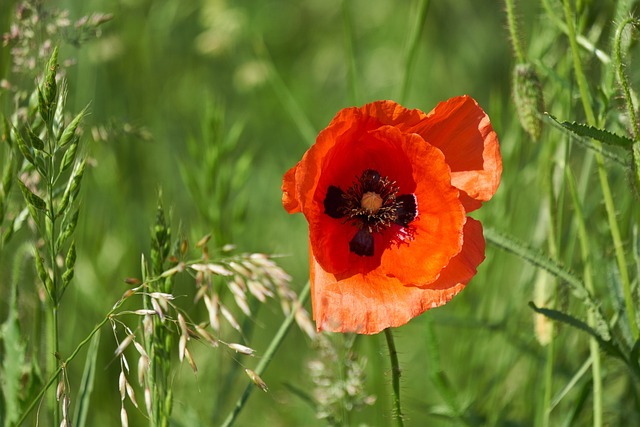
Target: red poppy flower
{"type": "Point", "coordinates": [386, 192]}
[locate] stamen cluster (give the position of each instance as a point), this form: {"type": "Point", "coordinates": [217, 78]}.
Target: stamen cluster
{"type": "Point", "coordinates": [362, 217]}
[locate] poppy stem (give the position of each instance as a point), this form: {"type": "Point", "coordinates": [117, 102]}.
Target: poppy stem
{"type": "Point", "coordinates": [395, 372]}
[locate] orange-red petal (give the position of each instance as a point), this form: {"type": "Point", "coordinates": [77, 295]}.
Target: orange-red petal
{"type": "Point", "coordinates": [369, 303]}
{"type": "Point", "coordinates": [415, 255]}
{"type": "Point", "coordinates": [463, 132]}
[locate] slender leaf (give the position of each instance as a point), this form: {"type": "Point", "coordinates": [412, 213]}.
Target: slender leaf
{"type": "Point", "coordinates": [521, 249]}
{"type": "Point", "coordinates": [566, 318]}
{"type": "Point", "coordinates": [86, 384]}
{"type": "Point", "coordinates": [31, 198]}
{"type": "Point", "coordinates": [608, 345]}
{"type": "Point", "coordinates": [35, 140]}
{"type": "Point", "coordinates": [26, 151]}
{"type": "Point", "coordinates": [588, 143]}
{"type": "Point", "coordinates": [602, 135]}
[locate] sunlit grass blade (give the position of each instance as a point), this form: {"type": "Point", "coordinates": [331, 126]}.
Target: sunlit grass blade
{"type": "Point", "coordinates": [86, 384]}
{"type": "Point", "coordinates": [570, 384]}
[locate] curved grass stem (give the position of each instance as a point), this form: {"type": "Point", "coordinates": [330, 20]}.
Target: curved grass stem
{"type": "Point", "coordinates": [513, 31]}
{"type": "Point", "coordinates": [631, 111]}
{"type": "Point", "coordinates": [395, 372]}
{"type": "Point", "coordinates": [266, 358]}
{"type": "Point", "coordinates": [54, 376]}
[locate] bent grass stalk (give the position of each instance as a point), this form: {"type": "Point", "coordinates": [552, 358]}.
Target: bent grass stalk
{"type": "Point", "coordinates": [631, 111]}
{"type": "Point", "coordinates": [268, 355]}
{"type": "Point", "coordinates": [54, 376]}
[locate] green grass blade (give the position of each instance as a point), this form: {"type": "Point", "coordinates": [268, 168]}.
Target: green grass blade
{"type": "Point", "coordinates": [86, 385]}
{"type": "Point", "coordinates": [13, 357]}
{"type": "Point", "coordinates": [412, 47]}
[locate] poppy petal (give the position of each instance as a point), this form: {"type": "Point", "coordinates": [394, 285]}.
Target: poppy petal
{"type": "Point", "coordinates": [367, 304]}
{"type": "Point", "coordinates": [289, 196]}
{"type": "Point", "coordinates": [463, 131]}
{"type": "Point", "coordinates": [463, 266]}
{"type": "Point", "coordinates": [436, 234]}
{"type": "Point", "coordinates": [416, 255]}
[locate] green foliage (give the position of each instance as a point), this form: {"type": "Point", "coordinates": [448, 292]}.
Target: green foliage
{"type": "Point", "coordinates": [602, 135]}
{"type": "Point", "coordinates": [212, 101]}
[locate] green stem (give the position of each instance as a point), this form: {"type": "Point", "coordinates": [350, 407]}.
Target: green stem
{"type": "Point", "coordinates": [623, 78]}
{"type": "Point", "coordinates": [50, 236]}
{"type": "Point", "coordinates": [582, 41]}
{"type": "Point", "coordinates": [588, 281]}
{"type": "Point", "coordinates": [54, 376]}
{"type": "Point", "coordinates": [412, 47]}
{"type": "Point", "coordinates": [602, 174]}
{"type": "Point", "coordinates": [635, 132]}
{"type": "Point", "coordinates": [395, 374]}
{"type": "Point", "coordinates": [548, 379]}
{"type": "Point", "coordinates": [513, 31]}
{"type": "Point", "coordinates": [268, 355]}
{"type": "Point", "coordinates": [554, 243]}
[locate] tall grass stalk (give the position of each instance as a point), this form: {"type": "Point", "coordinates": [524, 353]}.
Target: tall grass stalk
{"type": "Point", "coordinates": [585, 97]}
{"type": "Point", "coordinates": [587, 259]}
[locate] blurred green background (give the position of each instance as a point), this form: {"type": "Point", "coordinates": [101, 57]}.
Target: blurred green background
{"type": "Point", "coordinates": [158, 75]}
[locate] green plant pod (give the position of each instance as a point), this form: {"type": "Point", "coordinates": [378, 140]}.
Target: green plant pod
{"type": "Point", "coordinates": [528, 98]}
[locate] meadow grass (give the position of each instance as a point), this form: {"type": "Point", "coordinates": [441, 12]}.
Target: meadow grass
{"type": "Point", "coordinates": [196, 110]}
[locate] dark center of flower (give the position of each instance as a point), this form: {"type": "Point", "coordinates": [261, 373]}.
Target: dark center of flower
{"type": "Point", "coordinates": [371, 204]}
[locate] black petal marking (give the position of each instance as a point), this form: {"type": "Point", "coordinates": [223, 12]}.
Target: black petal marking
{"type": "Point", "coordinates": [334, 202]}
{"type": "Point", "coordinates": [407, 209]}
{"type": "Point", "coordinates": [362, 243]}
